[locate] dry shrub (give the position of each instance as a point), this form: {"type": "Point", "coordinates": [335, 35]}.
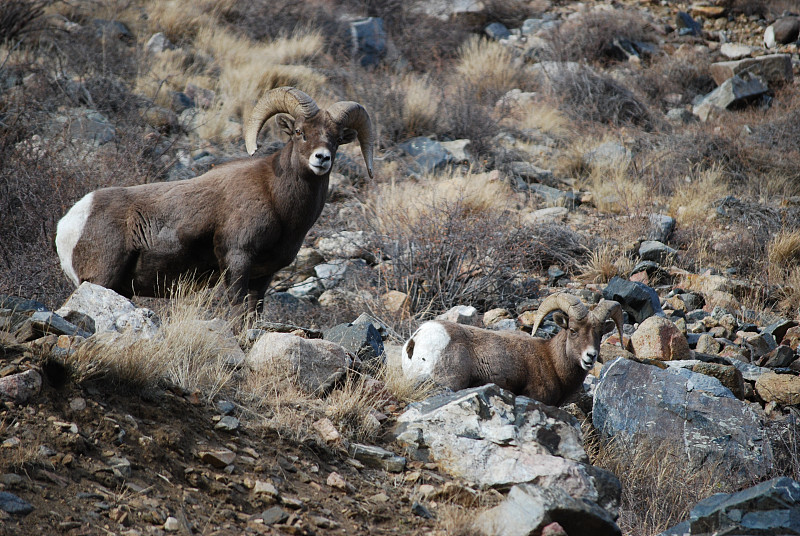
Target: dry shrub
{"type": "Point", "coordinates": [692, 201]}
{"type": "Point", "coordinates": [672, 80]}
{"type": "Point", "coordinates": [468, 118]}
{"type": "Point", "coordinates": [180, 20]}
{"type": "Point", "coordinates": [440, 256]}
{"type": "Point", "coordinates": [585, 95]}
{"type": "Point", "coordinates": [605, 262]}
{"type": "Point", "coordinates": [19, 17]}
{"type": "Point", "coordinates": [185, 351]}
{"type": "Point", "coordinates": [490, 67]}
{"type": "Point", "coordinates": [783, 251]}
{"type": "Point", "coordinates": [697, 149]}
{"type": "Point", "coordinates": [594, 36]}
{"type": "Point", "coordinates": [658, 489]}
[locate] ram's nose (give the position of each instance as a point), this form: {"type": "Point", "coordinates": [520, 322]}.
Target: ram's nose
{"type": "Point", "coordinates": [320, 161]}
{"type": "Point", "coordinates": [588, 359]}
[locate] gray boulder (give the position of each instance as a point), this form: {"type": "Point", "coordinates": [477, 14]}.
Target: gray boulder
{"type": "Point", "coordinates": [314, 365]}
{"type": "Point", "coordinates": [736, 90]}
{"type": "Point", "coordinates": [692, 414]}
{"type": "Point", "coordinates": [653, 250]}
{"type": "Point", "coordinates": [462, 314]}
{"type": "Point", "coordinates": [109, 311]}
{"type": "Point", "coordinates": [774, 69]}
{"type": "Point", "coordinates": [368, 41]}
{"type": "Point", "coordinates": [427, 155]}
{"type": "Point", "coordinates": [529, 508]}
{"type": "Point", "coordinates": [661, 227]}
{"type": "Point", "coordinates": [363, 340]}
{"type": "Point", "coordinates": [497, 31]}
{"type": "Point", "coordinates": [636, 299]}
{"type": "Point", "coordinates": [495, 439]}
{"type": "Point", "coordinates": [771, 507]}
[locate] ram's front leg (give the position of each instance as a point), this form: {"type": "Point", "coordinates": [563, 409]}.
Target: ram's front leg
{"type": "Point", "coordinates": [237, 266]}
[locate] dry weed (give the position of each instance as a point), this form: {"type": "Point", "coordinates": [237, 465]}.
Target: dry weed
{"type": "Point", "coordinates": [692, 200]}
{"type": "Point", "coordinates": [604, 263]}
{"type": "Point", "coordinates": [188, 350]}
{"type": "Point", "coordinates": [783, 251]}
{"type": "Point", "coordinates": [658, 490]}
{"type": "Point", "coordinates": [490, 66]}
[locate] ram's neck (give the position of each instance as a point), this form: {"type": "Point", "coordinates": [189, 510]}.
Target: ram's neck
{"type": "Point", "coordinates": [295, 186]}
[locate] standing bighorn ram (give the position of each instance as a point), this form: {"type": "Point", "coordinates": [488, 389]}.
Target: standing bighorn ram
{"type": "Point", "coordinates": [458, 356]}
{"type": "Point", "coordinates": [246, 219]}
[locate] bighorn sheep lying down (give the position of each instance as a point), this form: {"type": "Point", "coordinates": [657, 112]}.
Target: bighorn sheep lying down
{"type": "Point", "coordinates": [246, 219]}
{"type": "Point", "coordinates": [548, 370]}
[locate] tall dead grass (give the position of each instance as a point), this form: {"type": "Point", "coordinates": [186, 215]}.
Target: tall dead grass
{"type": "Point", "coordinates": [188, 350]}
{"type": "Point", "coordinates": [489, 66]}
{"type": "Point", "coordinates": [658, 490]}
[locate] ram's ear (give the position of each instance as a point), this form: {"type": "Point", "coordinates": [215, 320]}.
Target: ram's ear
{"type": "Point", "coordinates": [286, 123]}
{"type": "Point", "coordinates": [561, 320]}
{"type": "Point", "coordinates": [608, 326]}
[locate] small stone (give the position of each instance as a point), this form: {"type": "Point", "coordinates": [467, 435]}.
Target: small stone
{"type": "Point", "coordinates": [324, 522]}
{"type": "Point", "coordinates": [172, 524]}
{"type": "Point", "coordinates": [419, 509]}
{"type": "Point", "coordinates": [218, 457]}
{"type": "Point", "coordinates": [11, 443]}
{"type": "Point", "coordinates": [426, 490]}
{"type": "Point", "coordinates": [265, 488]}
{"type": "Point", "coordinates": [379, 498]}
{"type": "Point", "coordinates": [274, 515]}
{"type": "Point", "coordinates": [227, 423]}
{"type": "Point", "coordinates": [14, 505]}
{"type": "Point", "coordinates": [335, 480]}
{"type": "Point", "coordinates": [77, 404]}
{"type": "Point", "coordinates": [327, 430]}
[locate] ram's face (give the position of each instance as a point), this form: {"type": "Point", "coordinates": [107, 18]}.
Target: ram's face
{"type": "Point", "coordinates": [582, 339]}
{"type": "Point", "coordinates": [315, 140]}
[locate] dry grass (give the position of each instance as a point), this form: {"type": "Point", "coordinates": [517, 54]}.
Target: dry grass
{"type": "Point", "coordinates": [185, 352]}
{"type": "Point", "coordinates": [478, 193]}
{"type": "Point", "coordinates": [604, 263]}
{"type": "Point", "coordinates": [783, 251]}
{"type": "Point", "coordinates": [421, 105]}
{"type": "Point", "coordinates": [490, 66]}
{"type": "Point", "coordinates": [692, 201]}
{"type": "Point", "coordinates": [615, 190]}
{"type": "Point", "coordinates": [236, 68]}
{"type": "Point", "coordinates": [658, 490]}
{"type": "Point", "coordinates": [181, 21]}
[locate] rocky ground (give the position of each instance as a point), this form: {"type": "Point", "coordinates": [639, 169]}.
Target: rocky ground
{"type": "Point", "coordinates": [711, 334]}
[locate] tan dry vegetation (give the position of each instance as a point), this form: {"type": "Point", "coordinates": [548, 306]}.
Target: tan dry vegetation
{"type": "Point", "coordinates": [421, 105]}
{"type": "Point", "coordinates": [477, 193]}
{"type": "Point", "coordinates": [186, 351]}
{"type": "Point", "coordinates": [658, 490]}
{"type": "Point", "coordinates": [489, 66]}
{"type": "Point", "coordinates": [783, 251]}
{"type": "Point", "coordinates": [693, 197]}
{"type": "Point", "coordinates": [604, 263]}
{"type": "Point", "coordinates": [181, 21]}
{"type": "Point", "coordinates": [616, 191]}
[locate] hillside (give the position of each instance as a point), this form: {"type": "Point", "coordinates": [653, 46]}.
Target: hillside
{"type": "Point", "coordinates": [639, 151]}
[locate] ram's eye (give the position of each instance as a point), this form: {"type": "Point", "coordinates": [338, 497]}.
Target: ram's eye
{"type": "Point", "coordinates": [572, 332]}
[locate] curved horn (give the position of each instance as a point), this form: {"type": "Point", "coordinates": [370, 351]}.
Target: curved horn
{"type": "Point", "coordinates": [350, 114]}
{"type": "Point", "coordinates": [610, 309]}
{"type": "Point", "coordinates": [280, 100]}
{"type": "Point", "coordinates": [561, 301]}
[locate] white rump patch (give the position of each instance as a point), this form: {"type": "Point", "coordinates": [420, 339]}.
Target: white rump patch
{"type": "Point", "coordinates": [430, 340]}
{"type": "Point", "coordinates": [69, 231]}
